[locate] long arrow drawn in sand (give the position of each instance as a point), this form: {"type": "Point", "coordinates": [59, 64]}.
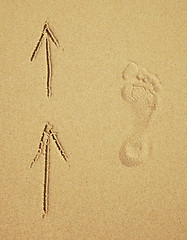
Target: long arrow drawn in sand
{"type": "Point", "coordinates": [48, 35]}
{"type": "Point", "coordinates": [44, 149]}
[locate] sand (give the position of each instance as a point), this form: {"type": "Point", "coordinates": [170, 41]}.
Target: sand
{"type": "Point", "coordinates": [124, 178]}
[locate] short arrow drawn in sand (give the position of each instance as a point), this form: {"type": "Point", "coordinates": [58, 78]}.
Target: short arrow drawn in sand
{"type": "Point", "coordinates": [48, 35]}
{"type": "Point", "coordinates": [44, 149]}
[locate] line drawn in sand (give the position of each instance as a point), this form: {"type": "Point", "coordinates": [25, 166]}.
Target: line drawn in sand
{"type": "Point", "coordinates": [142, 91]}
{"type": "Point", "coordinates": [44, 149]}
{"type": "Point", "coordinates": [48, 35]}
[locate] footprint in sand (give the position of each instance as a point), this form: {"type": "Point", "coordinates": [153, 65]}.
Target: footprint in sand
{"type": "Point", "coordinates": [142, 91]}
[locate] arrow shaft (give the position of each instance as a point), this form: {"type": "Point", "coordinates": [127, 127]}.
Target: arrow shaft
{"type": "Point", "coordinates": [48, 59]}
{"type": "Point", "coordinates": [46, 178]}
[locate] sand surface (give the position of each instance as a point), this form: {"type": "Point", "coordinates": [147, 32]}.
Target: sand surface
{"type": "Point", "coordinates": [96, 195]}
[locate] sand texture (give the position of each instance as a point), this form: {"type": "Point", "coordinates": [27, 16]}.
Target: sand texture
{"type": "Point", "coordinates": [93, 120]}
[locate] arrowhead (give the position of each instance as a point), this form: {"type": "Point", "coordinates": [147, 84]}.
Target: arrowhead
{"type": "Point", "coordinates": [46, 30]}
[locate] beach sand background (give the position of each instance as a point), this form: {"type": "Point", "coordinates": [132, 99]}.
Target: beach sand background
{"type": "Point", "coordinates": [96, 198]}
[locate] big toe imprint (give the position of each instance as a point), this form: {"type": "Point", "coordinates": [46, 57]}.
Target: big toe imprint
{"type": "Point", "coordinates": [131, 71]}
